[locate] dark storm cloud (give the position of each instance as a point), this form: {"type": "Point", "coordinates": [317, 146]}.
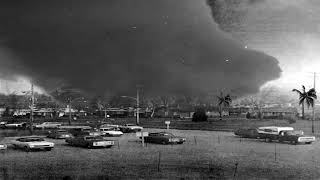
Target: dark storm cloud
{"type": "Point", "coordinates": [98, 46]}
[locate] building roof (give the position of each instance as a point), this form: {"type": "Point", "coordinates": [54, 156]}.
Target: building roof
{"type": "Point", "coordinates": [280, 110]}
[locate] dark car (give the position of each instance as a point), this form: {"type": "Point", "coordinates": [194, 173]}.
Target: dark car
{"type": "Point", "coordinates": [247, 133]}
{"type": "Point", "coordinates": [59, 134]}
{"type": "Point", "coordinates": [87, 131]}
{"type": "Point", "coordinates": [295, 137]}
{"type": "Point", "coordinates": [129, 128]}
{"type": "Point", "coordinates": [164, 138]}
{"type": "Point", "coordinates": [90, 141]}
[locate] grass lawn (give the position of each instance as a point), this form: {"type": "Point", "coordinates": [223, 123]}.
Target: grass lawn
{"type": "Point", "coordinates": [205, 155]}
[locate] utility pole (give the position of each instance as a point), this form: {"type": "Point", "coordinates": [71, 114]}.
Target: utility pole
{"type": "Point", "coordinates": [137, 105]}
{"type": "Point", "coordinates": [313, 108]}
{"type": "Point", "coordinates": [138, 112]}
{"type": "Point", "coordinates": [32, 105]}
{"type": "Point", "coordinates": [70, 111]}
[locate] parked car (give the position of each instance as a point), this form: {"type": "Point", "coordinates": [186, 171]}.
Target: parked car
{"type": "Point", "coordinates": [89, 132]}
{"type": "Point", "coordinates": [90, 141]}
{"type": "Point", "coordinates": [59, 134]}
{"type": "Point", "coordinates": [296, 137]}
{"type": "Point", "coordinates": [30, 143]}
{"type": "Point", "coordinates": [247, 133]}
{"type": "Point", "coordinates": [271, 133]}
{"type": "Point", "coordinates": [3, 146]}
{"type": "Point", "coordinates": [111, 131]}
{"type": "Point", "coordinates": [127, 128]}
{"type": "Point", "coordinates": [3, 124]}
{"type": "Point", "coordinates": [164, 138]}
{"type": "Point", "coordinates": [48, 125]}
{"type": "Point", "coordinates": [16, 125]}
{"type": "Point", "coordinates": [109, 125]}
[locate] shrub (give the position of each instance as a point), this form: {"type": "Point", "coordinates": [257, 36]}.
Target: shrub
{"type": "Point", "coordinates": [292, 120]}
{"type": "Point", "coordinates": [199, 115]}
{"type": "Point", "coordinates": [248, 115]}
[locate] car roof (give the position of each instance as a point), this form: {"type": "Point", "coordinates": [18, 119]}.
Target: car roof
{"type": "Point", "coordinates": [31, 137]}
{"type": "Point", "coordinates": [160, 133]}
{"type": "Point", "coordinates": [277, 127]}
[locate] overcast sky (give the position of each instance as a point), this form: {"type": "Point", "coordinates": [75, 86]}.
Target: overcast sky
{"type": "Point", "coordinates": [167, 46]}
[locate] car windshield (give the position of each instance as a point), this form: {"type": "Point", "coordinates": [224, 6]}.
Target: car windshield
{"type": "Point", "coordinates": [62, 131]}
{"type": "Point", "coordinates": [30, 139]}
{"type": "Point", "coordinates": [94, 138]}
{"type": "Point", "coordinates": [108, 129]}
{"type": "Point", "coordinates": [165, 134]}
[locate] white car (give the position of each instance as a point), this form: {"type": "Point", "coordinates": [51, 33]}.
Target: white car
{"type": "Point", "coordinates": [33, 142]}
{"type": "Point", "coordinates": [48, 125]}
{"type": "Point", "coordinates": [130, 128]}
{"type": "Point", "coordinates": [111, 131]}
{"type": "Point", "coordinates": [3, 146]}
{"type": "Point", "coordinates": [3, 124]}
{"type": "Point", "coordinates": [16, 125]}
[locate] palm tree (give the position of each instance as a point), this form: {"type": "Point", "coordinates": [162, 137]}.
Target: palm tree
{"type": "Point", "coordinates": [306, 97]}
{"type": "Point", "coordinates": [224, 101]}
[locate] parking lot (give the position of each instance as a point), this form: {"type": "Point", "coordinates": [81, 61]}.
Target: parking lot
{"type": "Point", "coordinates": [205, 155]}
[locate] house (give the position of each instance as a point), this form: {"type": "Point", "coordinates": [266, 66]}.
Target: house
{"type": "Point", "coordinates": [238, 111]}
{"type": "Point", "coordinates": [2, 111]}
{"type": "Point", "coordinates": [117, 112]}
{"type": "Point", "coordinates": [44, 112]}
{"type": "Point", "coordinates": [66, 111]}
{"type": "Point", "coordinates": [275, 113]}
{"type": "Point", "coordinates": [21, 112]}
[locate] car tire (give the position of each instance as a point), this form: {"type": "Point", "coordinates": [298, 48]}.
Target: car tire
{"type": "Point", "coordinates": [47, 149]}
{"type": "Point", "coordinates": [89, 146]}
{"type": "Point", "coordinates": [15, 146]}
{"type": "Point", "coordinates": [27, 149]}
{"type": "Point", "coordinates": [308, 142]}
{"type": "Point", "coordinates": [268, 140]}
{"type": "Point", "coordinates": [164, 142]}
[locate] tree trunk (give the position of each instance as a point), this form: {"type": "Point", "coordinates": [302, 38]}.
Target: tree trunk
{"type": "Point", "coordinates": [302, 110]}
{"type": "Point", "coordinates": [220, 111]}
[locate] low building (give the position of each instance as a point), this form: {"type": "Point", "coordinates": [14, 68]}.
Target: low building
{"type": "Point", "coordinates": [275, 113]}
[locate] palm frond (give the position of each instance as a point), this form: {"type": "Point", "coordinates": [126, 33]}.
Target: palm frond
{"type": "Point", "coordinates": [310, 101]}
{"type": "Point", "coordinates": [296, 90]}
{"type": "Point", "coordinates": [312, 93]}
{"type": "Point", "coordinates": [301, 101]}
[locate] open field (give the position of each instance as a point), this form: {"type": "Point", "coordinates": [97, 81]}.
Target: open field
{"type": "Point", "coordinates": [205, 155]}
